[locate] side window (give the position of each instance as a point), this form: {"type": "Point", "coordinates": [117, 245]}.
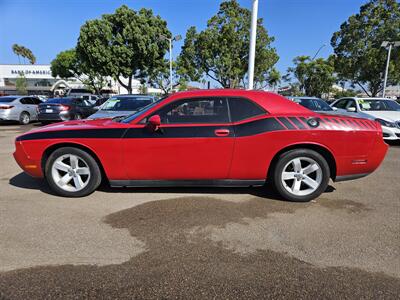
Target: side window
{"type": "Point", "coordinates": [242, 109]}
{"type": "Point", "coordinates": [341, 104]}
{"type": "Point", "coordinates": [196, 111]}
{"type": "Point", "coordinates": [351, 103]}
{"type": "Point", "coordinates": [26, 101]}
{"type": "Point", "coordinates": [36, 101]}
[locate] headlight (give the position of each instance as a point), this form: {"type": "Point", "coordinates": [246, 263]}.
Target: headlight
{"type": "Point", "coordinates": [386, 123]}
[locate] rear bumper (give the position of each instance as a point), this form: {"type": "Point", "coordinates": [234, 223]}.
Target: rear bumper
{"type": "Point", "coordinates": [8, 115]}
{"type": "Point", "coordinates": [30, 166]}
{"type": "Point", "coordinates": [49, 117]}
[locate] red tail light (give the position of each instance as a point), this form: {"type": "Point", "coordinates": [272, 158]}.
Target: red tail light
{"type": "Point", "coordinates": [65, 107]}
{"type": "Point", "coordinates": [6, 106]}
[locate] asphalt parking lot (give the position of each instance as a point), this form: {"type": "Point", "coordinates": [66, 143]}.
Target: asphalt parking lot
{"type": "Point", "coordinates": [219, 243]}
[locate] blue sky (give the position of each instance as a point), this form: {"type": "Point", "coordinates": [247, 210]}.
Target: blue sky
{"type": "Point", "coordinates": [47, 27]}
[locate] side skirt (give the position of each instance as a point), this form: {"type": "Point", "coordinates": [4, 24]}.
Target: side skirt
{"type": "Point", "coordinates": [350, 177]}
{"type": "Point", "coordinates": [183, 183]}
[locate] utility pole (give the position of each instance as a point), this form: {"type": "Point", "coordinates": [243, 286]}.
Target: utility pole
{"type": "Point", "coordinates": [170, 40]}
{"type": "Point", "coordinates": [252, 50]}
{"type": "Point", "coordinates": [388, 45]}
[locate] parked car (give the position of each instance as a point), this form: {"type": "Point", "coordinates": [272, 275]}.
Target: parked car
{"type": "Point", "coordinates": [206, 138]}
{"type": "Point", "coordinates": [90, 98]}
{"type": "Point", "coordinates": [122, 105]}
{"type": "Point", "coordinates": [385, 111]}
{"type": "Point", "coordinates": [64, 109]}
{"type": "Point", "coordinates": [100, 102]}
{"type": "Point", "coordinates": [19, 108]}
{"type": "Point", "coordinates": [313, 103]}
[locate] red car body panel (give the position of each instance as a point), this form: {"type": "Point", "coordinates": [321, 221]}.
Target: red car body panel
{"type": "Point", "coordinates": [242, 150]}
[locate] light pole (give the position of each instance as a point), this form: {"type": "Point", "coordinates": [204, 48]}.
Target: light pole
{"type": "Point", "coordinates": [170, 40]}
{"type": "Point", "coordinates": [316, 53]}
{"type": "Point", "coordinates": [252, 51]}
{"type": "Point", "coordinates": [389, 45]}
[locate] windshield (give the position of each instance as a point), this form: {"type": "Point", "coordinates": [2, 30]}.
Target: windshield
{"type": "Point", "coordinates": [7, 99]}
{"type": "Point", "coordinates": [59, 100]}
{"type": "Point", "coordinates": [125, 103]}
{"type": "Point", "coordinates": [140, 111]}
{"type": "Point", "coordinates": [379, 105]}
{"type": "Point", "coordinates": [314, 104]}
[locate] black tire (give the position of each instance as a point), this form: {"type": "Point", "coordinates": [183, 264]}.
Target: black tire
{"type": "Point", "coordinates": [284, 159]}
{"type": "Point", "coordinates": [95, 172]}
{"type": "Point", "coordinates": [24, 118]}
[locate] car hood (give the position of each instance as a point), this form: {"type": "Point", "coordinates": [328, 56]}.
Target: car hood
{"type": "Point", "coordinates": [392, 116]}
{"type": "Point", "coordinates": [109, 114]}
{"type": "Point", "coordinates": [77, 125]}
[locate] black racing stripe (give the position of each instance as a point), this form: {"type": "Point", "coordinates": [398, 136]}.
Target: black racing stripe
{"type": "Point", "coordinates": [109, 133]}
{"type": "Point", "coordinates": [177, 132]}
{"type": "Point", "coordinates": [297, 122]}
{"type": "Point", "coordinates": [305, 121]}
{"type": "Point", "coordinates": [286, 122]}
{"type": "Point", "coordinates": [256, 127]}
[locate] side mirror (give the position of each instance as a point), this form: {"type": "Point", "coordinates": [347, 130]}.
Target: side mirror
{"type": "Point", "coordinates": [334, 108]}
{"type": "Point", "coordinates": [351, 109]}
{"type": "Point", "coordinates": [154, 123]}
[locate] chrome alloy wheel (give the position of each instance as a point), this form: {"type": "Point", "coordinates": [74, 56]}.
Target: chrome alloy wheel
{"type": "Point", "coordinates": [70, 173]}
{"type": "Point", "coordinates": [301, 176]}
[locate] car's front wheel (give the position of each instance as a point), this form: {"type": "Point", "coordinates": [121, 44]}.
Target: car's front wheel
{"type": "Point", "coordinates": [301, 175]}
{"type": "Point", "coordinates": [72, 172]}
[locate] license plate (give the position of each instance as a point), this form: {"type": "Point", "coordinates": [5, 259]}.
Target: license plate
{"type": "Point", "coordinates": [49, 110]}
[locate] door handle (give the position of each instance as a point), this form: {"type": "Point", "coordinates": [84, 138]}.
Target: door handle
{"type": "Point", "coordinates": [222, 132]}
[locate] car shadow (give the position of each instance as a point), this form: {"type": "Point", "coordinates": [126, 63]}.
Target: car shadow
{"type": "Point", "coordinates": [24, 181]}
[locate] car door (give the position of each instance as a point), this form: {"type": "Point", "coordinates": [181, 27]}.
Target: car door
{"type": "Point", "coordinates": [195, 142]}
{"type": "Point", "coordinates": [36, 102]}
{"type": "Point", "coordinates": [28, 106]}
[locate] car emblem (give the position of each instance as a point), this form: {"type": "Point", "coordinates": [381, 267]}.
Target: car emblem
{"type": "Point", "coordinates": [313, 122]}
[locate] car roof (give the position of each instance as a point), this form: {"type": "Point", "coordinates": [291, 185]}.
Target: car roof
{"type": "Point", "coordinates": [366, 98]}
{"type": "Point", "coordinates": [271, 102]}
{"type": "Point", "coordinates": [305, 97]}
{"type": "Point", "coordinates": [132, 95]}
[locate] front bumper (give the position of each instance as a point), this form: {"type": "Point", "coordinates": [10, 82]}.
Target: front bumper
{"type": "Point", "coordinates": [391, 133]}
{"type": "Point", "coordinates": [30, 166]}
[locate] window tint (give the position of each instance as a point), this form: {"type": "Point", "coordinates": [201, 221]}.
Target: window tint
{"type": "Point", "coordinates": [36, 101]}
{"type": "Point", "coordinates": [341, 104]}
{"type": "Point", "coordinates": [26, 101]}
{"type": "Point", "coordinates": [197, 111]}
{"type": "Point", "coordinates": [242, 109]}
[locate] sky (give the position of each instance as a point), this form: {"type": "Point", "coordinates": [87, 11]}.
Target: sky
{"type": "Point", "coordinates": [300, 27]}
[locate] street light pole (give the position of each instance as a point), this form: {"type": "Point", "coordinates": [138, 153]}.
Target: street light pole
{"type": "Point", "coordinates": [386, 44]}
{"type": "Point", "coordinates": [170, 65]}
{"type": "Point", "coordinates": [170, 40]}
{"type": "Point", "coordinates": [252, 51]}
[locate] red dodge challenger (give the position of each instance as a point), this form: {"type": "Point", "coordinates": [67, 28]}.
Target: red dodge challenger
{"type": "Point", "coordinates": [205, 138]}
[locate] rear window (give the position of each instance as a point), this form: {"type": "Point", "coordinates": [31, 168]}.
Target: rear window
{"type": "Point", "coordinates": [60, 100]}
{"type": "Point", "coordinates": [7, 99]}
{"type": "Point", "coordinates": [242, 109]}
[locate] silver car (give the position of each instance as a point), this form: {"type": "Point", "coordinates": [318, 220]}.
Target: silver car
{"type": "Point", "coordinates": [122, 105]}
{"type": "Point", "coordinates": [19, 108]}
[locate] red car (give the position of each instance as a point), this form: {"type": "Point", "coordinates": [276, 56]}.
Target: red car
{"type": "Point", "coordinates": [206, 138]}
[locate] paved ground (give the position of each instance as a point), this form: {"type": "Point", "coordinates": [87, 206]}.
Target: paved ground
{"type": "Point", "coordinates": [198, 243]}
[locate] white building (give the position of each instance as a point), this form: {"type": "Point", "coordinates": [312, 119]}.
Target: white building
{"type": "Point", "coordinates": [40, 81]}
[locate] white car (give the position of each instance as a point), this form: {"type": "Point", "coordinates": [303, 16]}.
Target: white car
{"type": "Point", "coordinates": [385, 111]}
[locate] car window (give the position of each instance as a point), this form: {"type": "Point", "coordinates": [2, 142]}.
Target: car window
{"type": "Point", "coordinates": [341, 104]}
{"type": "Point", "coordinates": [36, 101]}
{"type": "Point", "coordinates": [200, 110]}
{"type": "Point", "coordinates": [351, 103]}
{"type": "Point", "coordinates": [242, 109]}
{"type": "Point", "coordinates": [26, 101]}
{"type": "Point", "coordinates": [378, 105]}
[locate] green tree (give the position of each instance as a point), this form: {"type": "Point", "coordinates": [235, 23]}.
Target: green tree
{"type": "Point", "coordinates": [124, 44]}
{"type": "Point", "coordinates": [24, 52]}
{"type": "Point", "coordinates": [357, 46]}
{"type": "Point", "coordinates": [68, 65]}
{"type": "Point", "coordinates": [314, 77]}
{"type": "Point", "coordinates": [221, 50]}
{"type": "Point", "coordinates": [21, 84]}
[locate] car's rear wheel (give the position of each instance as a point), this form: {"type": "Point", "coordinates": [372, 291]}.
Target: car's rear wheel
{"type": "Point", "coordinates": [72, 172]}
{"type": "Point", "coordinates": [301, 175]}
{"type": "Point", "coordinates": [24, 118]}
